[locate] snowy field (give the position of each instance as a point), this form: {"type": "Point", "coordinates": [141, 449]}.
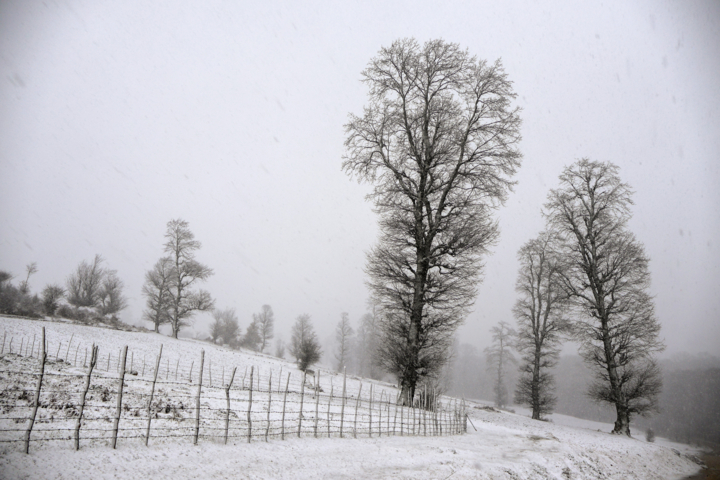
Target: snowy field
{"type": "Point", "coordinates": [505, 445]}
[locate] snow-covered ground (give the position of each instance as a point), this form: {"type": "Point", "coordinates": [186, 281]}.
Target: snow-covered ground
{"type": "Point", "coordinates": [505, 445]}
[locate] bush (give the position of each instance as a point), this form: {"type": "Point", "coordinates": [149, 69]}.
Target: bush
{"type": "Point", "coordinates": [650, 435]}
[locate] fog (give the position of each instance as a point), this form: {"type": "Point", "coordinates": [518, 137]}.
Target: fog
{"type": "Point", "coordinates": [117, 117]}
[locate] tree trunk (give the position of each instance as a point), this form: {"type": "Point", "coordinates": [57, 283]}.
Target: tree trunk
{"type": "Point", "coordinates": [535, 387]}
{"type": "Point", "coordinates": [622, 424]}
{"type": "Point", "coordinates": [410, 376]}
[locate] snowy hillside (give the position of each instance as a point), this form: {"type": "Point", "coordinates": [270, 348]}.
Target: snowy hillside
{"type": "Point", "coordinates": [504, 446]}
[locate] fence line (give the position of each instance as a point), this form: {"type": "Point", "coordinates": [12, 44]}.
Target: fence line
{"type": "Point", "coordinates": [78, 406]}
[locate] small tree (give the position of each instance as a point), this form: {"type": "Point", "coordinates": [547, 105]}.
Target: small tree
{"type": "Point", "coordinates": [343, 336]}
{"type": "Point", "coordinates": [225, 326]}
{"type": "Point", "coordinates": [110, 297]}
{"type": "Point", "coordinates": [186, 272]}
{"type": "Point", "coordinates": [31, 268]}
{"type": "Point", "coordinates": [539, 313]}
{"type": "Point", "coordinates": [84, 286]}
{"type": "Point", "coordinates": [215, 328]}
{"type": "Point", "coordinates": [157, 292]}
{"type": "Point", "coordinates": [252, 339]}
{"type": "Point", "coordinates": [304, 344]}
{"type": "Point", "coordinates": [51, 296]}
{"type": "Point", "coordinates": [366, 347]}
{"type": "Point", "coordinates": [280, 348]}
{"type": "Point", "coordinates": [499, 357]}
{"type": "Point", "coordinates": [265, 321]}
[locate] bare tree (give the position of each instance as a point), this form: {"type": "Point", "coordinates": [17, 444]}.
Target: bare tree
{"type": "Point", "coordinates": [51, 296]}
{"type": "Point", "coordinates": [366, 346]}
{"type": "Point", "coordinates": [216, 328]}
{"type": "Point", "coordinates": [31, 269]}
{"type": "Point", "coordinates": [110, 297]}
{"type": "Point", "coordinates": [304, 345]}
{"type": "Point", "coordinates": [280, 348]}
{"type": "Point", "coordinates": [186, 272]}
{"type": "Point", "coordinates": [265, 324]}
{"type": "Point", "coordinates": [84, 286]}
{"type": "Point", "coordinates": [607, 280]}
{"type": "Point", "coordinates": [225, 326]}
{"type": "Point", "coordinates": [343, 335]}
{"type": "Point", "coordinates": [439, 141]}
{"type": "Point", "coordinates": [499, 357]}
{"type": "Point", "coordinates": [541, 323]}
{"type": "Point", "coordinates": [157, 291]}
{"type": "Point", "coordinates": [252, 340]}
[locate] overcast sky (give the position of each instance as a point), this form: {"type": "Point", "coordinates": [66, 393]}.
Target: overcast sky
{"type": "Point", "coordinates": [116, 117]}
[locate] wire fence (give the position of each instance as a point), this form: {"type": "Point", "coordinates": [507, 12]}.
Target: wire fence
{"type": "Point", "coordinates": [88, 397]}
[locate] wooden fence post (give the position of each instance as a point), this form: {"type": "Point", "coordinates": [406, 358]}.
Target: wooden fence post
{"type": "Point", "coordinates": [227, 413]}
{"type": "Point", "coordinates": [85, 359]}
{"type": "Point", "coordinates": [108, 365]}
{"type": "Point", "coordinates": [43, 356]}
{"type": "Point", "coordinates": [3, 344]}
{"type": "Point", "coordinates": [76, 352]}
{"type": "Point", "coordinates": [282, 427]}
{"type": "Point", "coordinates": [192, 364]}
{"type": "Point", "coordinates": [152, 393]}
{"type": "Point", "coordinates": [394, 417]}
{"type": "Point", "coordinates": [93, 361]}
{"type": "Point", "coordinates": [249, 418]}
{"type": "Point", "coordinates": [267, 428]}
{"type": "Point", "coordinates": [357, 404]}
{"type": "Point", "coordinates": [302, 400]}
{"type": "Point", "coordinates": [32, 350]}
{"type": "Point", "coordinates": [67, 352]}
{"type": "Point", "coordinates": [22, 342]}
{"type": "Point", "coordinates": [342, 405]}
{"type": "Point", "coordinates": [121, 384]}
{"type": "Point", "coordinates": [425, 403]}
{"type": "Point", "coordinates": [197, 403]}
{"type": "Point", "coordinates": [57, 354]}
{"type": "Point", "coordinates": [371, 399]}
{"type": "Point", "coordinates": [328, 409]}
{"type": "Point", "coordinates": [177, 365]}
{"type": "Point", "coordinates": [317, 402]}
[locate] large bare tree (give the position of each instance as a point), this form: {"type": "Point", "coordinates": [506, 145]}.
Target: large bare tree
{"type": "Point", "coordinates": [607, 279]}
{"type": "Point", "coordinates": [181, 245]}
{"type": "Point", "coordinates": [438, 139]}
{"type": "Point", "coordinates": [540, 313]}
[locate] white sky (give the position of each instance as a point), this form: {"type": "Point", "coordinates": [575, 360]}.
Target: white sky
{"type": "Point", "coordinates": [117, 116]}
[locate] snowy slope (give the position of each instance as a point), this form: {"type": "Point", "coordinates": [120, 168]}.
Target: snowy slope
{"type": "Point", "coordinates": [505, 445]}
